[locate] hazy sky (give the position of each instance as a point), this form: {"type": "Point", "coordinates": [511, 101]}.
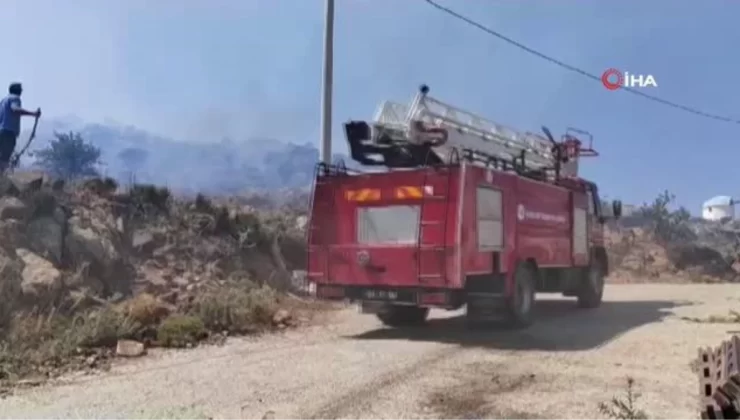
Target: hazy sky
{"type": "Point", "coordinates": [239, 68]}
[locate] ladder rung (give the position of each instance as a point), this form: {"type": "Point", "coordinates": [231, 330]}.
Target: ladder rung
{"type": "Point", "coordinates": [430, 276]}
{"type": "Point", "coordinates": [431, 222]}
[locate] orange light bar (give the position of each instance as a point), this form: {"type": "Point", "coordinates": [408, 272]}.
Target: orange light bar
{"type": "Point", "coordinates": [413, 192]}
{"type": "Point", "coordinates": [365, 194]}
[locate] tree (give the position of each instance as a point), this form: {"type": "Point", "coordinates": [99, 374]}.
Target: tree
{"type": "Point", "coordinates": [667, 225]}
{"type": "Point", "coordinates": [69, 156]}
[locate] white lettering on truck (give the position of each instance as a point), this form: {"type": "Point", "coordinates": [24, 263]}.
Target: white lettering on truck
{"type": "Point", "coordinates": [522, 213]}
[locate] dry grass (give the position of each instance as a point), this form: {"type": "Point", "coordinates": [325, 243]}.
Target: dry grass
{"type": "Point", "coordinates": [624, 407]}
{"type": "Point", "coordinates": [238, 309]}
{"type": "Point", "coordinates": [48, 344]}
{"type": "Point", "coordinates": [44, 344]}
{"type": "Point", "coordinates": [145, 309]}
{"type": "Point", "coordinates": [732, 317]}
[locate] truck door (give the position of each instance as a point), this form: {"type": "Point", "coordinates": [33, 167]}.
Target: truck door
{"type": "Point", "coordinates": [596, 219]}
{"type": "Point", "coordinates": [582, 217]}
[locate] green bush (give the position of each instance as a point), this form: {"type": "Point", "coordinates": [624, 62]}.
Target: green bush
{"type": "Point", "coordinates": [667, 225]}
{"type": "Point", "coordinates": [237, 309]}
{"type": "Point", "coordinates": [180, 331]}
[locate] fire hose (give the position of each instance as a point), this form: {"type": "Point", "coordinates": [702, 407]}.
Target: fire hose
{"type": "Point", "coordinates": [16, 158]}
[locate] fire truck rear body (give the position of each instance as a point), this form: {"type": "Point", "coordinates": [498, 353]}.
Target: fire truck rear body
{"type": "Point", "coordinates": [443, 235]}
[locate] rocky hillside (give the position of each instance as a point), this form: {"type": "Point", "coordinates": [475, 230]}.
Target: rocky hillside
{"type": "Point", "coordinates": [645, 248]}
{"type": "Point", "coordinates": [84, 265]}
{"type": "Point", "coordinates": [96, 240]}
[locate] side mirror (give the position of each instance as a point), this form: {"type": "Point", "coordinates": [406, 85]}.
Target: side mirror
{"type": "Point", "coordinates": [611, 210]}
{"type": "Point", "coordinates": [617, 209]}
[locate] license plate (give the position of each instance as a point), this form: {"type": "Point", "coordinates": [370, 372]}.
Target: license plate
{"type": "Point", "coordinates": [380, 295]}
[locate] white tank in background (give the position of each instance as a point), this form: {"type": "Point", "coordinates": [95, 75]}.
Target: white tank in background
{"type": "Point", "coordinates": [719, 208]}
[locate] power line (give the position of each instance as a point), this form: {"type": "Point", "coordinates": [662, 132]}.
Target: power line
{"type": "Point", "coordinates": [575, 69]}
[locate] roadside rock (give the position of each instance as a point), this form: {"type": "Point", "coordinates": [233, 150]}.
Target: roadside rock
{"type": "Point", "coordinates": [84, 245]}
{"type": "Point", "coordinates": [7, 187]}
{"type": "Point", "coordinates": [83, 239]}
{"type": "Point", "coordinates": [281, 317]}
{"type": "Point", "coordinates": [41, 281]}
{"type": "Point", "coordinates": [12, 236]}
{"type": "Point", "coordinates": [12, 208]}
{"type": "Point", "coordinates": [146, 241]}
{"type": "Point", "coordinates": [46, 238]}
{"type": "Point", "coordinates": [130, 348]}
{"type": "Point", "coordinates": [10, 284]}
{"type": "Point", "coordinates": [27, 182]}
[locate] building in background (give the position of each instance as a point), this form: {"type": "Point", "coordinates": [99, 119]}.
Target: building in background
{"type": "Point", "coordinates": [628, 209]}
{"type": "Point", "coordinates": [719, 208]}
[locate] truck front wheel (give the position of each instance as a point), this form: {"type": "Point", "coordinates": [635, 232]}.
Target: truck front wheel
{"type": "Point", "coordinates": [402, 316]}
{"type": "Point", "coordinates": [592, 286]}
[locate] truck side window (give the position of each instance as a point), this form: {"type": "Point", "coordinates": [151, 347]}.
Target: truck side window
{"type": "Point", "coordinates": [490, 230]}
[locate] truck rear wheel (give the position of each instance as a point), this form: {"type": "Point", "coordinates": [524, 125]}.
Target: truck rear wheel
{"type": "Point", "coordinates": [592, 286]}
{"type": "Point", "coordinates": [403, 316]}
{"type": "Point", "coordinates": [520, 305]}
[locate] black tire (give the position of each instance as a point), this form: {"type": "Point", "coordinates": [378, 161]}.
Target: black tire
{"type": "Point", "coordinates": [591, 291]}
{"type": "Point", "coordinates": [520, 305]}
{"type": "Point", "coordinates": [403, 316]}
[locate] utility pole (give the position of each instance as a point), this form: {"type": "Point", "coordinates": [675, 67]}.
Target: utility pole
{"type": "Point", "coordinates": [328, 80]}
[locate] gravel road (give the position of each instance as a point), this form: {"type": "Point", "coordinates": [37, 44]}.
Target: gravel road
{"type": "Point", "coordinates": [352, 367]}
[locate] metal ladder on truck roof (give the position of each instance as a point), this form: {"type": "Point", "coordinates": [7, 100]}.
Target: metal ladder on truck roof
{"type": "Point", "coordinates": [445, 127]}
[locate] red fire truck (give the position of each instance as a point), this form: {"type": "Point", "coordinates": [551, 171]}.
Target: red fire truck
{"type": "Point", "coordinates": [463, 211]}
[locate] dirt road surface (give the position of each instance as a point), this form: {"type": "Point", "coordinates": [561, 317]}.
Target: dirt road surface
{"type": "Point", "coordinates": [352, 367]}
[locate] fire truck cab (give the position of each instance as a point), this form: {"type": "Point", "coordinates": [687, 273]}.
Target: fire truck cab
{"type": "Point", "coordinates": [464, 212]}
